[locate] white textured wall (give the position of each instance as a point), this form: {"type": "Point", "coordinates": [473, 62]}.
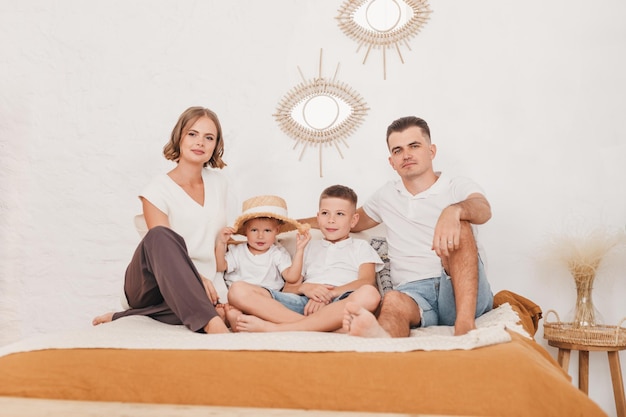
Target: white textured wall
{"type": "Point", "coordinates": [526, 97]}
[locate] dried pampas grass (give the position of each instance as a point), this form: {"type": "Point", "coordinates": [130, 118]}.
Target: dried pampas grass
{"type": "Point", "coordinates": [582, 253]}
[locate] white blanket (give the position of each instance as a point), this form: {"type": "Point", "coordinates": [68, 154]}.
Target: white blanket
{"type": "Point", "coordinates": [140, 332]}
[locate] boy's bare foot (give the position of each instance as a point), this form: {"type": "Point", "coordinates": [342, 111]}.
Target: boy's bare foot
{"type": "Point", "coordinates": [104, 318]}
{"type": "Point", "coordinates": [246, 323]}
{"type": "Point", "coordinates": [357, 321]}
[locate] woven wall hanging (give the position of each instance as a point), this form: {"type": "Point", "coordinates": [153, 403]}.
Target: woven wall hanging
{"type": "Point", "coordinates": [320, 112]}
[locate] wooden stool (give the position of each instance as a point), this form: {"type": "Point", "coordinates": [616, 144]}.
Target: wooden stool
{"type": "Point", "coordinates": [583, 368]}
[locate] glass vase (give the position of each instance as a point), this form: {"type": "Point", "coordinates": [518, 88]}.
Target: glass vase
{"type": "Point", "coordinates": [585, 314]}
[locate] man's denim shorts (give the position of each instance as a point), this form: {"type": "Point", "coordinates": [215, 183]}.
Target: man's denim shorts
{"type": "Point", "coordinates": [435, 297]}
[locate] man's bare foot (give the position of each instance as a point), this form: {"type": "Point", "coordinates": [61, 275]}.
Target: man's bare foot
{"type": "Point", "coordinates": [104, 318]}
{"type": "Point", "coordinates": [231, 316]}
{"type": "Point", "coordinates": [357, 321]}
{"type": "Point", "coordinates": [461, 328]}
{"type": "Point", "coordinates": [246, 323]}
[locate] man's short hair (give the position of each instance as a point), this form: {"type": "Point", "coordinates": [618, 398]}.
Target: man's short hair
{"type": "Point", "coordinates": [403, 123]}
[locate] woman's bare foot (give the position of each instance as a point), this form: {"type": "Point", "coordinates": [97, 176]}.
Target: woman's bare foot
{"type": "Point", "coordinates": [246, 323]}
{"type": "Point", "coordinates": [221, 311]}
{"type": "Point", "coordinates": [104, 318]}
{"type": "Point", "coordinates": [216, 325]}
{"type": "Point", "coordinates": [231, 316]}
{"type": "Point", "coordinates": [357, 321]}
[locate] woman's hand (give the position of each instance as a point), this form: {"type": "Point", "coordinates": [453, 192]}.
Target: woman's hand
{"type": "Point", "coordinates": [210, 290]}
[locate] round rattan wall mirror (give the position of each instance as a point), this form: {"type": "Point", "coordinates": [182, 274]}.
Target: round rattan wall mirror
{"type": "Point", "coordinates": [320, 113]}
{"type": "Point", "coordinates": [383, 24]}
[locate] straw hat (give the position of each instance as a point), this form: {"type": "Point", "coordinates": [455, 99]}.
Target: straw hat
{"type": "Point", "coordinates": [267, 206]}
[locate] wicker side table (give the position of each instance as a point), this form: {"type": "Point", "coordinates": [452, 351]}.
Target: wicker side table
{"type": "Point", "coordinates": [598, 338]}
{"type": "Point", "coordinates": [565, 349]}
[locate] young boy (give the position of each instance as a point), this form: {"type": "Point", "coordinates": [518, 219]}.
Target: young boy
{"type": "Point", "coordinates": [336, 270]}
{"type": "Point", "coordinates": [260, 261]}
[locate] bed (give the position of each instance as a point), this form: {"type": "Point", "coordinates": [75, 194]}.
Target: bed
{"type": "Point", "coordinates": [496, 370]}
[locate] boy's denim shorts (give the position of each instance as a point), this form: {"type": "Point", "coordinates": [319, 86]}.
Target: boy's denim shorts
{"type": "Point", "coordinates": [435, 297]}
{"type": "Point", "coordinates": [296, 302]}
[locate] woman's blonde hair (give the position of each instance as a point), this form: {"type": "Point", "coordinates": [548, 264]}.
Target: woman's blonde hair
{"type": "Point", "coordinates": [171, 150]}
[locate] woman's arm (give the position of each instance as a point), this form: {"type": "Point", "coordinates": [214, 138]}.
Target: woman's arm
{"type": "Point", "coordinates": [153, 216]}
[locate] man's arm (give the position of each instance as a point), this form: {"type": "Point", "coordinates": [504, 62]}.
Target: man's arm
{"type": "Point", "coordinates": [365, 222]}
{"type": "Point", "coordinates": [474, 209]}
{"type": "Point", "coordinates": [312, 221]}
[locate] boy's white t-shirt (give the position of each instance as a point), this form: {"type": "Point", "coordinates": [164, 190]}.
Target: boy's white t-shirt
{"type": "Point", "coordinates": [264, 269]}
{"type": "Point", "coordinates": [337, 263]}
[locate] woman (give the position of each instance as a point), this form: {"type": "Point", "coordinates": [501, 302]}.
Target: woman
{"type": "Point", "coordinates": [171, 276]}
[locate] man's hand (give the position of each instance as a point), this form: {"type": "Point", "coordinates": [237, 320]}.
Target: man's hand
{"type": "Point", "coordinates": [447, 231]}
{"type": "Point", "coordinates": [475, 209]}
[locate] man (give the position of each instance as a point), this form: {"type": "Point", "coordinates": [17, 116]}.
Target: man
{"type": "Point", "coordinates": [437, 274]}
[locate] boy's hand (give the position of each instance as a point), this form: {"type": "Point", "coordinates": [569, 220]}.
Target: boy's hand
{"type": "Point", "coordinates": [312, 306]}
{"type": "Point", "coordinates": [318, 292]}
{"type": "Point", "coordinates": [302, 240]}
{"type": "Point", "coordinates": [225, 234]}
